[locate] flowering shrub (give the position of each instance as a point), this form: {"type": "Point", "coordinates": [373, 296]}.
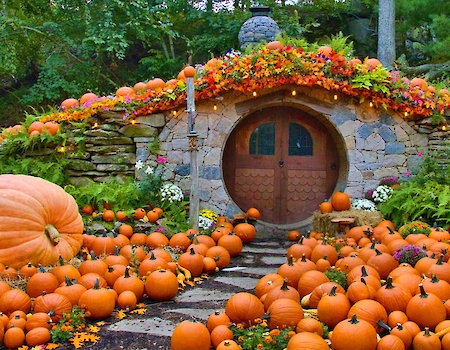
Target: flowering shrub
{"type": "Point", "coordinates": [171, 193]}
{"type": "Point", "coordinates": [150, 186]}
{"type": "Point", "coordinates": [415, 227]}
{"type": "Point", "coordinates": [389, 181]}
{"type": "Point", "coordinates": [207, 220]}
{"type": "Point", "coordinates": [410, 254]}
{"type": "Point", "coordinates": [266, 68]}
{"type": "Point", "coordinates": [259, 336]}
{"type": "Point", "coordinates": [363, 204]}
{"type": "Point", "coordinates": [382, 193]}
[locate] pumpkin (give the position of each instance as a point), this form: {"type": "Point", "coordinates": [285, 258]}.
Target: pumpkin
{"type": "Point", "coordinates": [232, 243]}
{"type": "Point", "coordinates": [41, 282]}
{"type": "Point", "coordinates": [116, 258]}
{"type": "Point", "coordinates": [156, 240]}
{"type": "Point", "coordinates": [338, 302]}
{"type": "Point", "coordinates": [393, 296]}
{"type": "Point", "coordinates": [325, 207]}
{"type": "Point", "coordinates": [190, 335]}
{"type": "Point", "coordinates": [88, 280]}
{"type": "Point", "coordinates": [14, 337]}
{"type": "Point", "coordinates": [390, 342]}
{"type": "Point", "coordinates": [354, 333]}
{"type": "Point", "coordinates": [16, 321]}
{"type": "Point", "coordinates": [127, 300]}
{"type": "Point", "coordinates": [37, 336]}
{"type": "Point", "coordinates": [307, 341]}
{"type": "Point", "coordinates": [309, 324]}
{"type": "Point", "coordinates": [267, 283]}
{"type": "Point", "coordinates": [310, 280]}
{"type": "Point", "coordinates": [71, 289]}
{"type": "Point", "coordinates": [97, 302]}
{"type": "Point", "coordinates": [156, 83]}
{"type": "Point", "coordinates": [245, 231]}
{"type": "Point", "coordinates": [129, 282]}
{"type": "Point", "coordinates": [192, 261]}
{"type": "Point", "coordinates": [228, 344]}
{"type": "Point", "coordinates": [426, 309]}
{"type": "Point", "coordinates": [244, 308]}
{"type": "Point", "coordinates": [321, 290]}
{"type": "Point", "coordinates": [28, 270]}
{"type": "Point", "coordinates": [340, 201]}
{"type": "Point", "coordinates": [426, 340]}
{"type": "Point", "coordinates": [39, 222]}
{"type": "Point", "coordinates": [38, 319]}
{"type": "Point", "coordinates": [92, 265]}
{"type": "Point", "coordinates": [56, 305]}
{"type": "Point", "coordinates": [14, 299]}
{"type": "Point", "coordinates": [219, 334]}
{"type": "Point", "coordinates": [324, 249]}
{"type": "Point", "coordinates": [161, 285]}
{"type": "Point", "coordinates": [113, 273]}
{"type": "Point", "coordinates": [293, 235]}
{"type": "Point", "coordinates": [217, 318]}
{"type": "Point", "coordinates": [180, 240]}
{"type": "Point", "coordinates": [151, 264]}
{"type": "Point", "coordinates": [360, 290]}
{"type": "Point", "coordinates": [285, 292]}
{"type": "Point", "coordinates": [63, 270]}
{"type": "Point", "coordinates": [253, 214]}
{"type": "Point", "coordinates": [436, 286]}
{"type": "Point", "coordinates": [371, 311]}
{"type": "Point", "coordinates": [299, 249]}
{"type": "Point", "coordinates": [284, 313]}
{"type": "Point", "coordinates": [291, 271]}
{"type": "Point", "coordinates": [275, 45]}
{"type": "Point", "coordinates": [103, 244]}
{"type": "Point", "coordinates": [403, 333]}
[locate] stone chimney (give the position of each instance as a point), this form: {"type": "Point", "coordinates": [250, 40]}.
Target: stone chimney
{"type": "Point", "coordinates": [259, 27]}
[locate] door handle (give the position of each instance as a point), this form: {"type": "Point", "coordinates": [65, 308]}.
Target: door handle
{"type": "Point", "coordinates": [333, 166]}
{"type": "Point", "coordinates": [281, 163]}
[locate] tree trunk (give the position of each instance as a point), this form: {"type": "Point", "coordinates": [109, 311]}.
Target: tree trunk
{"type": "Point", "coordinates": [386, 32]}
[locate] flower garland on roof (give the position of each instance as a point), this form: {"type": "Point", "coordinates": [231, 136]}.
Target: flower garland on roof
{"type": "Point", "coordinates": [265, 69]}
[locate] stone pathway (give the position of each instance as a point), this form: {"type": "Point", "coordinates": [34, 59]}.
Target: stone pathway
{"type": "Point", "coordinates": [256, 260]}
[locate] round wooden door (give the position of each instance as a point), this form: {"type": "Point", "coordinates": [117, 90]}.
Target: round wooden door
{"type": "Point", "coordinates": [282, 161]}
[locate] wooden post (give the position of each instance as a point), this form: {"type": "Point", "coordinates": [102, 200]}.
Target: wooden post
{"type": "Point", "coordinates": [193, 145]}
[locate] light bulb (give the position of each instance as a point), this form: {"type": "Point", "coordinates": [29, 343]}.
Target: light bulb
{"type": "Point", "coordinates": [371, 104]}
{"type": "Point", "coordinates": [254, 93]}
{"type": "Point", "coordinates": [294, 92]}
{"type": "Point", "coordinates": [215, 107]}
{"type": "Point", "coordinates": [335, 97]}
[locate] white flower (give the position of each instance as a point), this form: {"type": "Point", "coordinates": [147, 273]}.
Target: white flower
{"type": "Point", "coordinates": [364, 204]}
{"type": "Point", "coordinates": [204, 223]}
{"type": "Point", "coordinates": [139, 164]}
{"type": "Point", "coordinates": [171, 192]}
{"type": "Point", "coordinates": [149, 171]}
{"type": "Point", "coordinates": [382, 193]}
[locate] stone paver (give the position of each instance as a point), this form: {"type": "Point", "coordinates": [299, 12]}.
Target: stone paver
{"type": "Point", "coordinates": [154, 325]}
{"type": "Point", "coordinates": [196, 295]}
{"type": "Point", "coordinates": [247, 283]}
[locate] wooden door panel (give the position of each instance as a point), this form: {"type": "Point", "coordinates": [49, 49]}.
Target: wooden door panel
{"type": "Point", "coordinates": [288, 193]}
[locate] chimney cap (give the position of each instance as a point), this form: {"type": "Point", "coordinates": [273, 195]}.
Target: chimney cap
{"type": "Point", "coordinates": [260, 10]}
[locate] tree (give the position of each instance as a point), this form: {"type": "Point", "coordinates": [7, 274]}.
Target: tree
{"type": "Point", "coordinates": [386, 32]}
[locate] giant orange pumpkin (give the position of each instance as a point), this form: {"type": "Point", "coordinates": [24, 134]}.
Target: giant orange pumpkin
{"type": "Point", "coordinates": [39, 222]}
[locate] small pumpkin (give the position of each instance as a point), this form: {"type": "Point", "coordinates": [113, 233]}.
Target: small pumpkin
{"type": "Point", "coordinates": [129, 282]}
{"type": "Point", "coordinates": [127, 300]}
{"type": "Point", "coordinates": [190, 335]}
{"type": "Point", "coordinates": [97, 302]}
{"type": "Point", "coordinates": [284, 313]}
{"type": "Point", "coordinates": [56, 305]}
{"type": "Point", "coordinates": [217, 318]}
{"type": "Point", "coordinates": [37, 336]}
{"type": "Point", "coordinates": [354, 333]}
{"type": "Point", "coordinates": [325, 207]}
{"type": "Point", "coordinates": [244, 308]}
{"type": "Point", "coordinates": [340, 201]}
{"type": "Point", "coordinates": [161, 285]}
{"type": "Point", "coordinates": [307, 341]}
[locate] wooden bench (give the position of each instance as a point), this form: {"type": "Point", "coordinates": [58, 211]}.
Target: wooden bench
{"type": "Point", "coordinates": [344, 224]}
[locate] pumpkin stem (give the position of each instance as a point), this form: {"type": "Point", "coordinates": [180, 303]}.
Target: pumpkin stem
{"type": "Point", "coordinates": [41, 268]}
{"type": "Point", "coordinates": [363, 281]}
{"type": "Point", "coordinates": [285, 285]}
{"type": "Point", "coordinates": [353, 320]}
{"type": "Point", "coordinates": [389, 284]}
{"type": "Point", "coordinates": [383, 325]}
{"type": "Point", "coordinates": [68, 281]}
{"type": "Point", "coordinates": [291, 260]}
{"type": "Point", "coordinates": [152, 256]}
{"type": "Point", "coordinates": [439, 261]}
{"type": "Point", "coordinates": [333, 291]}
{"type": "Point", "coordinates": [364, 272]}
{"type": "Point", "coordinates": [127, 272]}
{"type": "Point", "coordinates": [434, 279]}
{"type": "Point", "coordinates": [303, 257]}
{"type": "Point", "coordinates": [192, 251]}
{"type": "Point", "coordinates": [391, 231]}
{"type": "Point", "coordinates": [52, 234]}
{"type": "Point", "coordinates": [116, 250]}
{"type": "Point", "coordinates": [423, 294]}
{"type": "Point", "coordinates": [97, 283]}
{"type": "Point", "coordinates": [61, 261]}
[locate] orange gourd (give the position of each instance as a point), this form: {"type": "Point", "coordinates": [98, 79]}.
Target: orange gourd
{"type": "Point", "coordinates": [340, 201]}
{"type": "Point", "coordinates": [39, 220]}
{"type": "Point", "coordinates": [190, 335]}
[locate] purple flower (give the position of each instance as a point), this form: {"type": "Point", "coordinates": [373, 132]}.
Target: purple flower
{"type": "Point", "coordinates": [160, 229]}
{"type": "Point", "coordinates": [407, 174]}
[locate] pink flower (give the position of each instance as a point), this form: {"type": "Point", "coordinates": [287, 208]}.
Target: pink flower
{"type": "Point", "coordinates": [161, 160]}
{"type": "Point", "coordinates": [407, 174]}
{"type": "Point", "coordinates": [420, 154]}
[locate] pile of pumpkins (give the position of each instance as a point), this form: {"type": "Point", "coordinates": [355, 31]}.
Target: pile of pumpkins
{"type": "Point", "coordinates": [41, 230]}
{"type": "Point", "coordinates": [384, 304]}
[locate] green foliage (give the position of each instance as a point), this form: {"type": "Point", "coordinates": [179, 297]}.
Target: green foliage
{"type": "Point", "coordinates": [260, 336]}
{"type": "Point", "coordinates": [412, 201]}
{"type": "Point", "coordinates": [176, 217]}
{"type": "Point", "coordinates": [70, 323]}
{"type": "Point", "coordinates": [122, 195]}
{"type": "Point", "coordinates": [376, 79]}
{"type": "Point", "coordinates": [337, 276]}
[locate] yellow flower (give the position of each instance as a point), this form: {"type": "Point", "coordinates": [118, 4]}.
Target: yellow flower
{"type": "Point", "coordinates": [260, 346]}
{"type": "Point", "coordinates": [268, 339]}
